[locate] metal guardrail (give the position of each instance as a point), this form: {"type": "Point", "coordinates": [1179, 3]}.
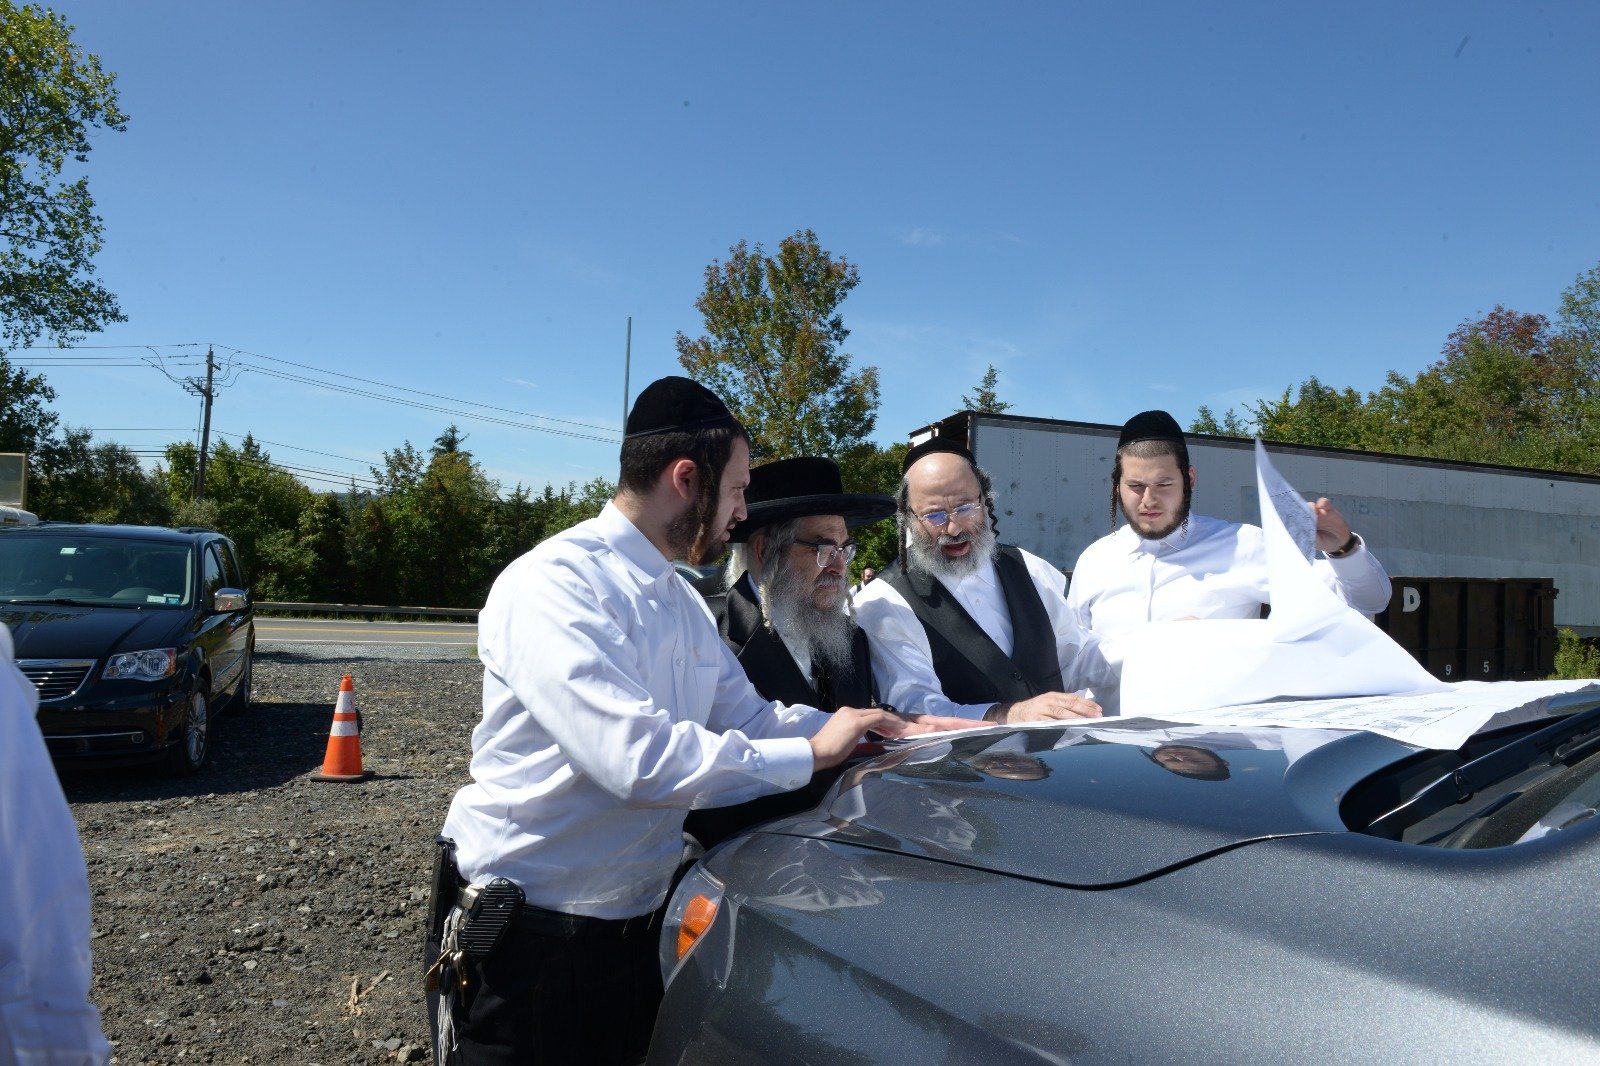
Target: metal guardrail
{"type": "Point", "coordinates": [362, 608]}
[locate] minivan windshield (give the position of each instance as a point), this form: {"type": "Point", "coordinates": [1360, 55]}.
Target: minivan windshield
{"type": "Point", "coordinates": [94, 571]}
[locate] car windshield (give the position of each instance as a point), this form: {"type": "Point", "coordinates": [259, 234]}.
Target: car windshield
{"type": "Point", "coordinates": [1505, 787]}
{"type": "Point", "coordinates": [94, 571]}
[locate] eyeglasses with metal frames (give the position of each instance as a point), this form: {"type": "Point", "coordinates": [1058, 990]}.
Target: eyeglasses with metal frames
{"type": "Point", "coordinates": [955, 514]}
{"type": "Point", "coordinates": [827, 551]}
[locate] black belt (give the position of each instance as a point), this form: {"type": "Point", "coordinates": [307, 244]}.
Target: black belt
{"type": "Point", "coordinates": [542, 922]}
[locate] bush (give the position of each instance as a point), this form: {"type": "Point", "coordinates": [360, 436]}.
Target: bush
{"type": "Point", "coordinates": [1576, 658]}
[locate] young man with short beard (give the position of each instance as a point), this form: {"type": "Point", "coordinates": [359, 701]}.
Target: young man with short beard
{"type": "Point", "coordinates": [786, 616]}
{"type": "Point", "coordinates": [610, 707]}
{"type": "Point", "coordinates": [1168, 563]}
{"type": "Point", "coordinates": [962, 625]}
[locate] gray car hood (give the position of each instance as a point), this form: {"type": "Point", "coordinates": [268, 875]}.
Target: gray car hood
{"type": "Point", "coordinates": [1097, 805]}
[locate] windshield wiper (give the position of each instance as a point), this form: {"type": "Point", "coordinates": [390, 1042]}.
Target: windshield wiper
{"type": "Point", "coordinates": [1562, 742]}
{"type": "Point", "coordinates": [63, 601]}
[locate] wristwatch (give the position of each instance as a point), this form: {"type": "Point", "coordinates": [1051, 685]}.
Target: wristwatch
{"type": "Point", "coordinates": [1349, 546]}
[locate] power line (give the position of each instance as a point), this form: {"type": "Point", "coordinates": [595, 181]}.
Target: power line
{"type": "Point", "coordinates": [420, 392]}
{"type": "Point", "coordinates": [196, 360]}
{"type": "Point", "coordinates": [348, 390]}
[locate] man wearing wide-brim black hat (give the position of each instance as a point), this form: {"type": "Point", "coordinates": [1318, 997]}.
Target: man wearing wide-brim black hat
{"type": "Point", "coordinates": [786, 616]}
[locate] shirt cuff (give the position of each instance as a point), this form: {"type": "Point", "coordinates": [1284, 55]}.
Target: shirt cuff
{"type": "Point", "coordinates": [788, 761]}
{"type": "Point", "coordinates": [1355, 552]}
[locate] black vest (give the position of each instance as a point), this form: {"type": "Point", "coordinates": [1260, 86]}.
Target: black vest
{"type": "Point", "coordinates": [773, 671]}
{"type": "Point", "coordinates": [970, 666]}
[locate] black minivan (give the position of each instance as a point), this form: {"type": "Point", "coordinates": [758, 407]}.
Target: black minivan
{"type": "Point", "coordinates": [134, 635]}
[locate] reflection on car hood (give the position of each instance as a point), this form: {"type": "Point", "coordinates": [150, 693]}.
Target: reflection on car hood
{"type": "Point", "coordinates": [1100, 804]}
{"type": "Point", "coordinates": [57, 631]}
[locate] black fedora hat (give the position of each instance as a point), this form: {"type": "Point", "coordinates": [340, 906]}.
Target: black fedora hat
{"type": "Point", "coordinates": [806, 485]}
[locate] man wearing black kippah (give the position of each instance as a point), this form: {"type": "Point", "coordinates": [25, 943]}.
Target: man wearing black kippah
{"type": "Point", "coordinates": [963, 625]}
{"type": "Point", "coordinates": [610, 708]}
{"type": "Point", "coordinates": [1168, 563]}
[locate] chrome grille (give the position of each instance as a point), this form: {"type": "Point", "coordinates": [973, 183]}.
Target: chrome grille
{"type": "Point", "coordinates": [56, 679]}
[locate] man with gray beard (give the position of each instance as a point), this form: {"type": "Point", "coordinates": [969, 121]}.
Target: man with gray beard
{"type": "Point", "coordinates": [787, 613]}
{"type": "Point", "coordinates": [965, 626]}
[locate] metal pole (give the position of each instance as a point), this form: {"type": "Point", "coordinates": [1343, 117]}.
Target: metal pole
{"type": "Point", "coordinates": [627, 366]}
{"type": "Point", "coordinates": [205, 431]}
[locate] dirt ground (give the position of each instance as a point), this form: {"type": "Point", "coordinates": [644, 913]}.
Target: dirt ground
{"type": "Point", "coordinates": [253, 915]}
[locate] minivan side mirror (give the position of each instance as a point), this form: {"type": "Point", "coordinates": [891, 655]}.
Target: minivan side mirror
{"type": "Point", "coordinates": [230, 600]}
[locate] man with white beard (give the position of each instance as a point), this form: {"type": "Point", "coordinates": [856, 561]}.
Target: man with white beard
{"type": "Point", "coordinates": [963, 625]}
{"type": "Point", "coordinates": [786, 616]}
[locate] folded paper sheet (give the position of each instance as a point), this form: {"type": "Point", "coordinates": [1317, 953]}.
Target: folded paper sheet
{"type": "Point", "coordinates": [1313, 644]}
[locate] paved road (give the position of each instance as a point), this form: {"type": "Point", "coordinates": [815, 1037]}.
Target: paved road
{"type": "Point", "coordinates": [270, 630]}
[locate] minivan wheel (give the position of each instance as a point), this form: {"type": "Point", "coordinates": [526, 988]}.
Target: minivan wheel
{"type": "Point", "coordinates": [194, 739]}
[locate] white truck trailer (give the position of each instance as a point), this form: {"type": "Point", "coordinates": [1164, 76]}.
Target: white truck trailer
{"type": "Point", "coordinates": [1424, 518]}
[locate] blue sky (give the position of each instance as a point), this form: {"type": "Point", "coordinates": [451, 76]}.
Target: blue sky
{"type": "Point", "coordinates": [1119, 206]}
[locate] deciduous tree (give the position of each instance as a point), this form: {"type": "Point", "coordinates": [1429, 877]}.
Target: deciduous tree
{"type": "Point", "coordinates": [53, 96]}
{"type": "Point", "coordinates": [771, 349]}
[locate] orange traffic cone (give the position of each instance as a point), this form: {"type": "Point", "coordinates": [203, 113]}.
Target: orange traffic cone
{"type": "Point", "coordinates": [343, 760]}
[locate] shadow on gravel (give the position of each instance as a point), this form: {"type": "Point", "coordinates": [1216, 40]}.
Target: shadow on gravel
{"type": "Point", "coordinates": [270, 744]}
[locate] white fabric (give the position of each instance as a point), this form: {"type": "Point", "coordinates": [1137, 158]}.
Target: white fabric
{"type": "Point", "coordinates": [902, 660]}
{"type": "Point", "coordinates": [46, 1018]}
{"type": "Point", "coordinates": [1207, 569]}
{"type": "Point", "coordinates": [610, 707]}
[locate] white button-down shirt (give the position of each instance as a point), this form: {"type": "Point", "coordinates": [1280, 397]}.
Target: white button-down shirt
{"type": "Point", "coordinates": [45, 1013]}
{"type": "Point", "coordinates": [902, 659]}
{"type": "Point", "coordinates": [610, 707]}
{"type": "Point", "coordinates": [1206, 569]}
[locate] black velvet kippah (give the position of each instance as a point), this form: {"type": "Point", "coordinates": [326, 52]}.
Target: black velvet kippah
{"type": "Point", "coordinates": [676, 405]}
{"type": "Point", "coordinates": [936, 444]}
{"type": "Point", "coordinates": [1150, 425]}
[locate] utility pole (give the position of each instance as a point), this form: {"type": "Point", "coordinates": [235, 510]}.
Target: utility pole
{"type": "Point", "coordinates": [206, 395]}
{"type": "Point", "coordinates": [627, 365]}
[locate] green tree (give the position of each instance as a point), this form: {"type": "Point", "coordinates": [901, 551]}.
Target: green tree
{"type": "Point", "coordinates": [1232, 424]}
{"type": "Point", "coordinates": [1508, 387]}
{"type": "Point", "coordinates": [76, 480]}
{"type": "Point", "coordinates": [771, 349]}
{"type": "Point", "coordinates": [248, 497]}
{"type": "Point", "coordinates": [984, 398]}
{"type": "Point", "coordinates": [26, 422]}
{"type": "Point", "coordinates": [53, 96]}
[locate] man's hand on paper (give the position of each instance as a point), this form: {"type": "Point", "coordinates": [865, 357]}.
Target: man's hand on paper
{"type": "Point", "coordinates": [1333, 531]}
{"type": "Point", "coordinates": [1046, 707]}
{"type": "Point", "coordinates": [938, 723]}
{"type": "Point", "coordinates": [846, 727]}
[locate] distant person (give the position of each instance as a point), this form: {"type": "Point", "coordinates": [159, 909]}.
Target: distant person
{"type": "Point", "coordinates": [786, 616]}
{"type": "Point", "coordinates": [1168, 563]}
{"type": "Point", "coordinates": [964, 625]}
{"type": "Point", "coordinates": [45, 1014]}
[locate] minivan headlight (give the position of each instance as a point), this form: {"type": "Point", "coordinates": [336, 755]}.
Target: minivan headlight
{"type": "Point", "coordinates": [152, 665]}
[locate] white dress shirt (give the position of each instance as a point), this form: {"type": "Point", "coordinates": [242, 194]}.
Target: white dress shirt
{"type": "Point", "coordinates": [1206, 569]}
{"type": "Point", "coordinates": [902, 660]}
{"type": "Point", "coordinates": [610, 707]}
{"type": "Point", "coordinates": [46, 1018]}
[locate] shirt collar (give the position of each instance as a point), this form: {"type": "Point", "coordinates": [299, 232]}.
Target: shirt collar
{"type": "Point", "coordinates": [631, 545]}
{"type": "Point", "coordinates": [1173, 541]}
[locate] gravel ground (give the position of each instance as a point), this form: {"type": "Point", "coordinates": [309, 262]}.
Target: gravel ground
{"type": "Point", "coordinates": [252, 915]}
